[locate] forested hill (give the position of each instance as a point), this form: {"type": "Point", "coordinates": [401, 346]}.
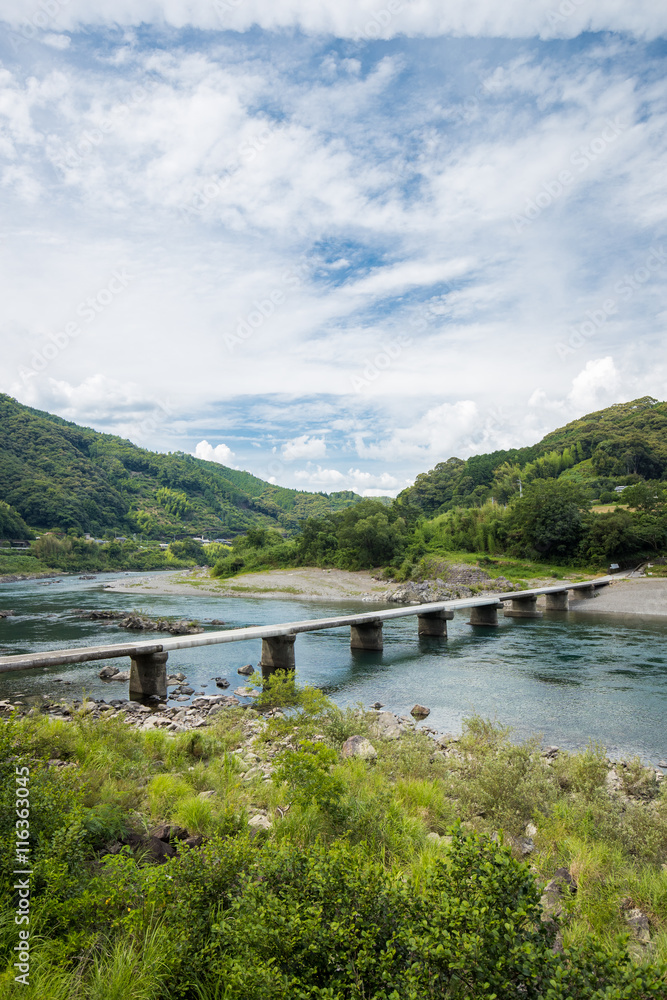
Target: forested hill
{"type": "Point", "coordinates": [55, 474]}
{"type": "Point", "coordinates": [617, 446]}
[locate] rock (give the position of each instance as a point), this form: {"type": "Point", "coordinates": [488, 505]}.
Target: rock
{"type": "Point", "coordinates": [216, 621]}
{"type": "Point", "coordinates": [560, 886]}
{"type": "Point", "coordinates": [445, 739]}
{"type": "Point", "coordinates": [259, 822]}
{"type": "Point", "coordinates": [206, 795]}
{"type": "Point", "coordinates": [106, 673]}
{"type": "Point", "coordinates": [377, 705]}
{"type": "Point", "coordinates": [6, 614]}
{"type": "Point", "coordinates": [550, 752]}
{"type": "Point", "coordinates": [222, 682]}
{"type": "Point", "coordinates": [222, 705]}
{"type": "Point", "coordinates": [194, 841]}
{"type": "Point", "coordinates": [638, 924]}
{"type": "Point", "coordinates": [247, 670]}
{"type": "Point", "coordinates": [359, 746]}
{"type": "Point", "coordinates": [123, 675]}
{"type": "Point", "coordinates": [531, 830]}
{"type": "Point", "coordinates": [420, 711]}
{"type": "Point", "coordinates": [184, 689]}
{"type": "Point", "coordinates": [246, 692]}
{"type": "Point", "coordinates": [169, 832]}
{"type": "Point", "coordinates": [154, 849]}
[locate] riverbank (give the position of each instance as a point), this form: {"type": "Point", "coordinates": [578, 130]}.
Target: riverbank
{"type": "Point", "coordinates": [313, 797]}
{"type": "Point", "coordinates": [308, 583]}
{"type": "Point", "coordinates": [636, 596]}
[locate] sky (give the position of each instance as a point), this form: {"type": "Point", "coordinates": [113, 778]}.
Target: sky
{"type": "Point", "coordinates": [332, 243]}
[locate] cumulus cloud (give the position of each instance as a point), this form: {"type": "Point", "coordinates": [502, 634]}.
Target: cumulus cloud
{"type": "Point", "coordinates": [221, 453]}
{"type": "Point", "coordinates": [304, 447]}
{"type": "Point", "coordinates": [597, 385]}
{"type": "Point", "coordinates": [366, 483]}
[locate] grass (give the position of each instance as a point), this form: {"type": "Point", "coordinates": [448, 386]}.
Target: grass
{"type": "Point", "coordinates": [614, 845]}
{"type": "Point", "coordinates": [16, 563]}
{"type": "Point", "coordinates": [519, 570]}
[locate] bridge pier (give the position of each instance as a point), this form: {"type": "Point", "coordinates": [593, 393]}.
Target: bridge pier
{"type": "Point", "coordinates": [523, 607]}
{"type": "Point", "coordinates": [367, 636]}
{"type": "Point", "coordinates": [277, 654]}
{"type": "Point", "coordinates": [585, 593]}
{"type": "Point", "coordinates": [148, 676]}
{"type": "Point", "coordinates": [557, 602]}
{"type": "Point", "coordinates": [485, 614]}
{"type": "Point", "coordinates": [434, 623]}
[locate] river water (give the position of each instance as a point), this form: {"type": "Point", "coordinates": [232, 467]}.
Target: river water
{"type": "Point", "coordinates": [569, 677]}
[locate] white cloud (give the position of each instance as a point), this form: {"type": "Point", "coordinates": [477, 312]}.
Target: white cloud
{"type": "Point", "coordinates": [597, 385]}
{"type": "Point", "coordinates": [434, 437]}
{"type": "Point", "coordinates": [304, 447]}
{"type": "Point", "coordinates": [361, 19]}
{"type": "Point", "coordinates": [366, 483]}
{"type": "Point", "coordinates": [221, 453]}
{"type": "Point", "coordinates": [56, 41]}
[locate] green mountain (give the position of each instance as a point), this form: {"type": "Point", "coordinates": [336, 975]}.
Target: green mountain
{"type": "Point", "coordinates": [55, 474]}
{"type": "Point", "coordinates": [618, 446]}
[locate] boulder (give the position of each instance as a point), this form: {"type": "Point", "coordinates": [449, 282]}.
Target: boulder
{"type": "Point", "coordinates": [247, 670]}
{"type": "Point", "coordinates": [638, 925]}
{"type": "Point", "coordinates": [359, 746]}
{"type": "Point", "coordinates": [222, 682]}
{"type": "Point", "coordinates": [169, 832]}
{"type": "Point", "coordinates": [246, 692]}
{"type": "Point", "coordinates": [259, 822]}
{"type": "Point", "coordinates": [420, 711]}
{"type": "Point", "coordinates": [560, 886]}
{"type": "Point", "coordinates": [106, 673]}
{"type": "Point", "coordinates": [377, 705]}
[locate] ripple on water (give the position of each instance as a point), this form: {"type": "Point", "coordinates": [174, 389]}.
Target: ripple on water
{"type": "Point", "coordinates": [555, 676]}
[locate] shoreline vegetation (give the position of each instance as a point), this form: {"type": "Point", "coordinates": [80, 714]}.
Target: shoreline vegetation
{"type": "Point", "coordinates": [296, 850]}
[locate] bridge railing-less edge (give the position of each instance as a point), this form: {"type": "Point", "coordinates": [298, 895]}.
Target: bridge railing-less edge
{"type": "Point", "coordinates": [148, 670]}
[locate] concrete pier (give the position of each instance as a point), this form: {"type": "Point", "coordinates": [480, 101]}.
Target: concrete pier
{"type": "Point", "coordinates": [558, 601]}
{"type": "Point", "coordinates": [366, 636]}
{"type": "Point", "coordinates": [148, 676]}
{"type": "Point", "coordinates": [523, 607]}
{"type": "Point", "coordinates": [485, 614]}
{"type": "Point", "coordinates": [584, 593]}
{"type": "Point", "coordinates": [277, 654]}
{"type": "Point", "coordinates": [434, 623]}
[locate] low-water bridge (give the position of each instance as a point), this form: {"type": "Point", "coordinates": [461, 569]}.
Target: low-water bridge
{"type": "Point", "coordinates": [148, 671]}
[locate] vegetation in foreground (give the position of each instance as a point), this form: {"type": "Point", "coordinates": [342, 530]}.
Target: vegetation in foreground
{"type": "Point", "coordinates": [374, 879]}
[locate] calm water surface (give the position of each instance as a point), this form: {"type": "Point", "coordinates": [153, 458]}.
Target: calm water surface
{"type": "Point", "coordinates": [569, 677]}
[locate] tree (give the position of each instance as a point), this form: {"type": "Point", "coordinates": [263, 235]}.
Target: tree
{"type": "Point", "coordinates": [549, 517]}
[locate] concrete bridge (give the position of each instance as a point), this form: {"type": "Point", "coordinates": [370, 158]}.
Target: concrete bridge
{"type": "Point", "coordinates": [148, 671]}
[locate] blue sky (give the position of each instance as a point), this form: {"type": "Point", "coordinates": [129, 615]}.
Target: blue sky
{"type": "Point", "coordinates": [332, 243]}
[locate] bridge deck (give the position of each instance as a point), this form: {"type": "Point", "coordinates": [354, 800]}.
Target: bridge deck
{"type": "Point", "coordinates": [83, 654]}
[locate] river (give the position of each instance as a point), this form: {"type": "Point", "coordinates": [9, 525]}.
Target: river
{"type": "Point", "coordinates": [569, 677]}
